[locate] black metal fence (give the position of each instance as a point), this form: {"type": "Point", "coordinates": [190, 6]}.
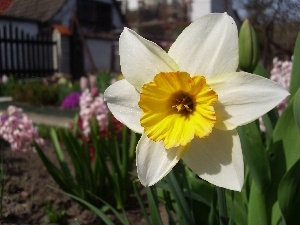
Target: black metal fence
{"type": "Point", "coordinates": [24, 55]}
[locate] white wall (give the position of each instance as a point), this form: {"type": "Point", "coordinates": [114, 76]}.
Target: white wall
{"type": "Point", "coordinates": [200, 8]}
{"type": "Point", "coordinates": [101, 51]}
{"type": "Point", "coordinates": [132, 4]}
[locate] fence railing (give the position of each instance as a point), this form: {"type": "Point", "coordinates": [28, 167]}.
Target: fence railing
{"type": "Point", "coordinates": [24, 55]}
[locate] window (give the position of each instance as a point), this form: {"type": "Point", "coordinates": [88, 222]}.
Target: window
{"type": "Point", "coordinates": [94, 15]}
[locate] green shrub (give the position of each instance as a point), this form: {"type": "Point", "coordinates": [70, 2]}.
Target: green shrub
{"type": "Point", "coordinates": [103, 81]}
{"type": "Point", "coordinates": [35, 93]}
{"type": "Point", "coordinates": [6, 88]}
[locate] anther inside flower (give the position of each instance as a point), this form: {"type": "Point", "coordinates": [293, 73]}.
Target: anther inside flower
{"type": "Point", "coordinates": [176, 108]}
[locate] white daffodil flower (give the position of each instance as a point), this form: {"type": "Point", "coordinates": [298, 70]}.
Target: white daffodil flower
{"type": "Point", "coordinates": [188, 102]}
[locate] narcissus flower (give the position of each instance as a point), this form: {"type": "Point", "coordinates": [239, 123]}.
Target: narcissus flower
{"type": "Point", "coordinates": [188, 102]}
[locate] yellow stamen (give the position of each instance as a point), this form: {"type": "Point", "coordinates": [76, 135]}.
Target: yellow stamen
{"type": "Point", "coordinates": [183, 103]}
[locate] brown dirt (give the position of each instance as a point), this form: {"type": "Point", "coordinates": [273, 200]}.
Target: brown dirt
{"type": "Point", "coordinates": [26, 193]}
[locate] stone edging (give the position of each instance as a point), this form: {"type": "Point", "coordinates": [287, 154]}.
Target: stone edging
{"type": "Point", "coordinates": [6, 99]}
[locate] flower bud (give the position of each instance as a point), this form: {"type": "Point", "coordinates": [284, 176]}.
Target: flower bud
{"type": "Point", "coordinates": [248, 48]}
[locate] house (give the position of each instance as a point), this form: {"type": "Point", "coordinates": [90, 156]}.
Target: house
{"type": "Point", "coordinates": [202, 7]}
{"type": "Point", "coordinates": [95, 26]}
{"type": "Point", "coordinates": [83, 36]}
{"type": "Point", "coordinates": [163, 20]}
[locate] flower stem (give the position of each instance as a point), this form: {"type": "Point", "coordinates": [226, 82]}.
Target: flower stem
{"type": "Point", "coordinates": [223, 218]}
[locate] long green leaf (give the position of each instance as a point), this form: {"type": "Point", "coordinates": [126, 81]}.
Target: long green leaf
{"type": "Point", "coordinates": [199, 195]}
{"type": "Point", "coordinates": [238, 208]}
{"type": "Point", "coordinates": [276, 214]}
{"type": "Point", "coordinates": [153, 206]}
{"type": "Point", "coordinates": [223, 217]}
{"type": "Point", "coordinates": [277, 161]}
{"type": "Point", "coordinates": [101, 171]}
{"type": "Point", "coordinates": [56, 174]}
{"type": "Point", "coordinates": [177, 192]}
{"type": "Point", "coordinates": [287, 130]}
{"type": "Point", "coordinates": [60, 155]}
{"type": "Point", "coordinates": [297, 108]}
{"type": "Point", "coordinates": [141, 203]}
{"type": "Point", "coordinates": [202, 191]}
{"type": "Point", "coordinates": [121, 217]}
{"type": "Point", "coordinates": [213, 214]}
{"type": "Point", "coordinates": [295, 76]}
{"type": "Point", "coordinates": [270, 119]}
{"type": "Point", "coordinates": [81, 161]}
{"type": "Point", "coordinates": [289, 194]}
{"type": "Point", "coordinates": [255, 155]}
{"type": "Point", "coordinates": [260, 70]}
{"type": "Point", "coordinates": [99, 213]}
{"type": "Point", "coordinates": [168, 202]}
{"type": "Point", "coordinates": [257, 212]}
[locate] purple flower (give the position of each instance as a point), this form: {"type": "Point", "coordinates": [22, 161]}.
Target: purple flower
{"type": "Point", "coordinates": [71, 101]}
{"type": "Point", "coordinates": [4, 118]}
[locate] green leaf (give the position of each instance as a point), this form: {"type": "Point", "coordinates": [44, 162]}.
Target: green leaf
{"type": "Point", "coordinates": [297, 108]}
{"type": "Point", "coordinates": [237, 208]}
{"type": "Point", "coordinates": [201, 191]}
{"type": "Point", "coordinates": [213, 214]}
{"type": "Point", "coordinates": [287, 130]}
{"type": "Point", "coordinates": [56, 174]}
{"type": "Point", "coordinates": [270, 120]}
{"type": "Point", "coordinates": [168, 202]}
{"type": "Point", "coordinates": [81, 161]}
{"type": "Point", "coordinates": [59, 154]}
{"type": "Point", "coordinates": [98, 212]}
{"type": "Point", "coordinates": [276, 214]}
{"type": "Point", "coordinates": [289, 194]}
{"type": "Point", "coordinates": [295, 76]}
{"type": "Point", "coordinates": [121, 217]}
{"type": "Point", "coordinates": [153, 206]}
{"type": "Point", "coordinates": [223, 217]}
{"type": "Point", "coordinates": [255, 155]}
{"type": "Point", "coordinates": [76, 222]}
{"type": "Point", "coordinates": [257, 211]}
{"type": "Point", "coordinates": [177, 192]}
{"type": "Point", "coordinates": [141, 203]}
{"type": "Point", "coordinates": [277, 162]}
{"type": "Point", "coordinates": [260, 70]}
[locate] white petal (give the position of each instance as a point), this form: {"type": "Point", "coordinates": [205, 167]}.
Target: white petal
{"type": "Point", "coordinates": [208, 47]}
{"type": "Point", "coordinates": [122, 100]}
{"type": "Point", "coordinates": [154, 161]}
{"type": "Point", "coordinates": [141, 59]}
{"type": "Point", "coordinates": [244, 97]}
{"type": "Point", "coordinates": [218, 159]}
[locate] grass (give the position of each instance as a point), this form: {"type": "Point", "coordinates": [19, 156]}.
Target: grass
{"type": "Point", "coordinates": [44, 130]}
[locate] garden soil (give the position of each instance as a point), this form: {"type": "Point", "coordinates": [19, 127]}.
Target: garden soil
{"type": "Point", "coordinates": [26, 194]}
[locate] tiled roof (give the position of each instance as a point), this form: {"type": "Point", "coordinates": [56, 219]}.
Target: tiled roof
{"type": "Point", "coordinates": [4, 5]}
{"type": "Point", "coordinates": [62, 29]}
{"type": "Point", "coordinates": [40, 10]}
